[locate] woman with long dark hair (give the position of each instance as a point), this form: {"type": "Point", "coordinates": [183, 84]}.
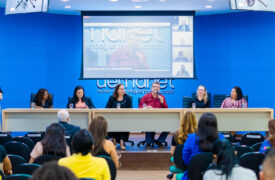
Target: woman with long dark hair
{"type": "Point", "coordinates": [42, 99]}
{"type": "Point", "coordinates": [119, 100]}
{"type": "Point", "coordinates": [225, 167]}
{"type": "Point", "coordinates": [79, 99]}
{"type": "Point", "coordinates": [102, 146]}
{"type": "Point", "coordinates": [236, 100]}
{"type": "Point", "coordinates": [202, 140]}
{"type": "Point", "coordinates": [53, 143]}
{"type": "Point", "coordinates": [270, 141]}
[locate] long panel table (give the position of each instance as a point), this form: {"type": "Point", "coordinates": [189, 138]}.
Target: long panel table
{"type": "Point", "coordinates": [137, 120]}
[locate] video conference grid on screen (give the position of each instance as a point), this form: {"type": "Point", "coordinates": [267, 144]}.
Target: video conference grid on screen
{"type": "Point", "coordinates": [138, 47]}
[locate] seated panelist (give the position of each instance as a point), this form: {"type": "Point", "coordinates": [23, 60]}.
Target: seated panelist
{"type": "Point", "coordinates": [236, 100]}
{"type": "Point", "coordinates": [42, 99]}
{"type": "Point", "coordinates": [201, 99]}
{"type": "Point", "coordinates": [79, 100]}
{"type": "Point", "coordinates": [154, 100]}
{"type": "Point", "coordinates": [119, 100]}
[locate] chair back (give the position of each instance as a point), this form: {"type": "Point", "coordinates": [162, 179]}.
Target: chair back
{"type": "Point", "coordinates": [178, 157]}
{"type": "Point", "coordinates": [187, 102]}
{"type": "Point", "coordinates": [5, 137]}
{"type": "Point", "coordinates": [35, 136]}
{"type": "Point", "coordinates": [25, 168]}
{"type": "Point", "coordinates": [25, 140]}
{"type": "Point", "coordinates": [242, 149]}
{"type": "Point", "coordinates": [251, 138]}
{"type": "Point", "coordinates": [139, 99]}
{"type": "Point", "coordinates": [198, 164]}
{"type": "Point", "coordinates": [257, 146]}
{"type": "Point", "coordinates": [16, 160]}
{"type": "Point", "coordinates": [218, 99]}
{"type": "Point", "coordinates": [111, 164]}
{"type": "Point", "coordinates": [252, 160]}
{"type": "Point", "coordinates": [18, 148]}
{"type": "Point", "coordinates": [228, 136]}
{"type": "Point", "coordinates": [18, 177]}
{"type": "Point", "coordinates": [45, 158]}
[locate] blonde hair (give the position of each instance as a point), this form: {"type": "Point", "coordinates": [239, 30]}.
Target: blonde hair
{"type": "Point", "coordinates": [188, 125]}
{"type": "Point", "coordinates": [205, 97]}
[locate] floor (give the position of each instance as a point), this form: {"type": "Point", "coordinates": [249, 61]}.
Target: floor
{"type": "Point", "coordinates": [141, 175]}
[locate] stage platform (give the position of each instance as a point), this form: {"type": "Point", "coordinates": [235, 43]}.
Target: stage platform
{"type": "Point", "coordinates": [142, 158]}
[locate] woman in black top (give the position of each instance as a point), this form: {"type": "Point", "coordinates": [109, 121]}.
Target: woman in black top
{"type": "Point", "coordinates": [119, 100]}
{"type": "Point", "coordinates": [42, 99]}
{"type": "Point", "coordinates": [201, 99]}
{"type": "Point", "coordinates": [79, 100]}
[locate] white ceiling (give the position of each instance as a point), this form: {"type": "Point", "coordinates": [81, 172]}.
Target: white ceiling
{"type": "Point", "coordinates": [200, 6]}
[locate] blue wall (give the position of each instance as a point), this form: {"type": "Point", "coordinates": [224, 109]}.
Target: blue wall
{"type": "Point", "coordinates": [44, 50]}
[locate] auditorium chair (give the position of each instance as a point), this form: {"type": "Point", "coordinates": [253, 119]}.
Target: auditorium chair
{"type": "Point", "coordinates": [111, 164]}
{"type": "Point", "coordinates": [16, 160]}
{"type": "Point", "coordinates": [18, 148]}
{"type": "Point", "coordinates": [35, 136]}
{"type": "Point", "coordinates": [228, 136]}
{"type": "Point", "coordinates": [198, 165]}
{"type": "Point", "coordinates": [242, 149]}
{"type": "Point", "coordinates": [45, 158]}
{"type": "Point", "coordinates": [25, 140]}
{"type": "Point", "coordinates": [257, 146]}
{"type": "Point", "coordinates": [25, 168]}
{"type": "Point", "coordinates": [251, 138]}
{"type": "Point", "coordinates": [18, 177]}
{"type": "Point", "coordinates": [5, 137]}
{"type": "Point", "coordinates": [252, 160]}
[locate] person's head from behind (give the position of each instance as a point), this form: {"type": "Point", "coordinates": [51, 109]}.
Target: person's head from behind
{"type": "Point", "coordinates": [207, 131]}
{"type": "Point", "coordinates": [155, 88]}
{"type": "Point", "coordinates": [52, 171]}
{"type": "Point", "coordinates": [188, 125]}
{"type": "Point", "coordinates": [268, 166]}
{"type": "Point", "coordinates": [82, 142]}
{"type": "Point", "coordinates": [236, 93]}
{"type": "Point", "coordinates": [63, 116]}
{"type": "Point", "coordinates": [54, 141]}
{"type": "Point", "coordinates": [271, 129]}
{"type": "Point", "coordinates": [79, 94]}
{"type": "Point", "coordinates": [42, 94]}
{"type": "Point", "coordinates": [99, 130]}
{"type": "Point", "coordinates": [224, 156]}
{"type": "Point", "coordinates": [1, 94]}
{"type": "Point", "coordinates": [119, 91]}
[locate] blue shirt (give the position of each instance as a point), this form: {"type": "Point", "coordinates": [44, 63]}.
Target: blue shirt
{"type": "Point", "coordinates": [265, 146]}
{"type": "Point", "coordinates": [191, 148]}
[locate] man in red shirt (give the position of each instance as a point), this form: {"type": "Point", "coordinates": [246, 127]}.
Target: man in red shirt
{"type": "Point", "coordinates": [154, 100]}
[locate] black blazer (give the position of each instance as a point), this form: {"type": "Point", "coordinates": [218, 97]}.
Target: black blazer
{"type": "Point", "coordinates": [87, 101]}
{"type": "Point", "coordinates": [126, 103]}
